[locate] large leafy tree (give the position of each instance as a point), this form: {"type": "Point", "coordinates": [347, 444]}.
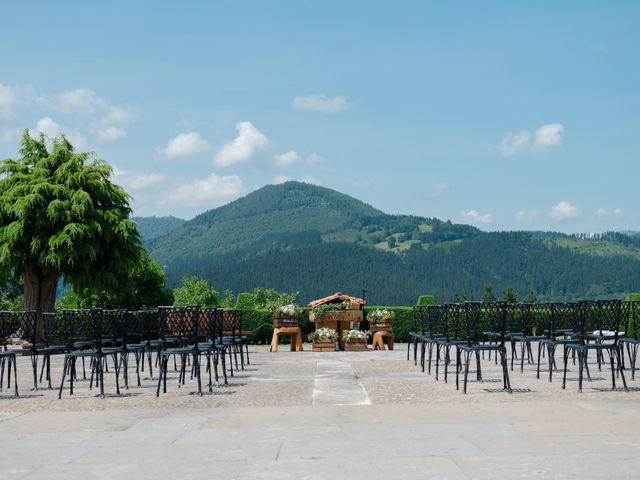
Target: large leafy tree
{"type": "Point", "coordinates": [60, 214]}
{"type": "Point", "coordinates": [144, 287]}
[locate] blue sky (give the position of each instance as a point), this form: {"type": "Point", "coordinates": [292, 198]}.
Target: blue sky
{"type": "Point", "coordinates": [506, 115]}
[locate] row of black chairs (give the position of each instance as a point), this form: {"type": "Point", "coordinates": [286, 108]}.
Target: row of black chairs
{"type": "Point", "coordinates": [97, 336]}
{"type": "Point", "coordinates": [473, 329]}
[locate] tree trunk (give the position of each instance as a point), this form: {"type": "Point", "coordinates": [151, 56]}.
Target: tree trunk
{"type": "Point", "coordinates": [39, 296]}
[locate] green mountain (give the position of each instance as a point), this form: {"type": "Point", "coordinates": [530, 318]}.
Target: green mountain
{"type": "Point", "coordinates": [154, 227]}
{"type": "Point", "coordinates": [300, 237]}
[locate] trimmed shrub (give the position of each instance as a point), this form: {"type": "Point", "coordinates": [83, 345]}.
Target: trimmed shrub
{"type": "Point", "coordinates": [633, 297]}
{"type": "Point", "coordinates": [426, 300]}
{"type": "Point", "coordinates": [245, 301]}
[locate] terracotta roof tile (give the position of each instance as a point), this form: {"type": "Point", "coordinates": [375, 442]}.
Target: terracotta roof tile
{"type": "Point", "coordinates": [339, 296]}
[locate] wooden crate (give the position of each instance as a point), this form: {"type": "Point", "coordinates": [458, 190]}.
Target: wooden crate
{"type": "Point", "coordinates": [324, 346]}
{"type": "Point", "coordinates": [356, 346]}
{"type": "Point", "coordinates": [381, 326]}
{"type": "Point", "coordinates": [279, 322]}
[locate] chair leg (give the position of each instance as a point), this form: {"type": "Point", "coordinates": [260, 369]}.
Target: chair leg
{"type": "Point", "coordinates": [582, 359]}
{"type": "Point", "coordinates": [466, 370]}
{"type": "Point", "coordinates": [565, 357]}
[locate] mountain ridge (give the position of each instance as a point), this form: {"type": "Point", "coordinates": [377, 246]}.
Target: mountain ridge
{"type": "Point", "coordinates": [301, 237]}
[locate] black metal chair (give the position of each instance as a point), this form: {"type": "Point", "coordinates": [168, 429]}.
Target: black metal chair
{"type": "Point", "coordinates": [560, 319]}
{"type": "Point", "coordinates": [524, 316]}
{"type": "Point", "coordinates": [432, 325]}
{"type": "Point", "coordinates": [594, 321]}
{"type": "Point", "coordinates": [632, 336]}
{"type": "Point", "coordinates": [211, 324]}
{"type": "Point", "coordinates": [46, 344]}
{"type": "Point", "coordinates": [9, 326]}
{"type": "Point", "coordinates": [451, 316]}
{"type": "Point", "coordinates": [480, 317]}
{"type": "Point", "coordinates": [83, 330]}
{"type": "Point", "coordinates": [183, 325]}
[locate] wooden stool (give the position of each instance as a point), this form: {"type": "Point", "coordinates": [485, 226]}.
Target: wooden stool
{"type": "Point", "coordinates": [296, 338]}
{"type": "Point", "coordinates": [380, 338]}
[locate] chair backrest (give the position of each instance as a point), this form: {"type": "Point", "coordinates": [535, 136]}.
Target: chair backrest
{"type": "Point", "coordinates": [182, 323]}
{"type": "Point", "coordinates": [232, 323]}
{"type": "Point", "coordinates": [10, 323]}
{"type": "Point", "coordinates": [523, 318]}
{"type": "Point", "coordinates": [115, 325]}
{"type": "Point", "coordinates": [83, 328]}
{"type": "Point", "coordinates": [149, 324]}
{"type": "Point", "coordinates": [53, 328]}
{"type": "Point", "coordinates": [211, 323]}
{"type": "Point", "coordinates": [27, 328]}
{"type": "Point", "coordinates": [473, 315]}
{"type": "Point", "coordinates": [489, 320]}
{"type": "Point", "coordinates": [420, 318]}
{"type": "Point", "coordinates": [605, 316]}
{"type": "Point", "coordinates": [452, 318]}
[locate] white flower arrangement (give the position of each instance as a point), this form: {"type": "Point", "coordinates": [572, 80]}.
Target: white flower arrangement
{"type": "Point", "coordinates": [350, 336]}
{"type": "Point", "coordinates": [323, 334]}
{"type": "Point", "coordinates": [379, 315]}
{"type": "Point", "coordinates": [289, 310]}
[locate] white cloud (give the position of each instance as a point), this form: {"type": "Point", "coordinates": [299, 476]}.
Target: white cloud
{"type": "Point", "coordinates": [11, 96]}
{"type": "Point", "coordinates": [184, 145]}
{"type": "Point", "coordinates": [81, 101]}
{"type": "Point", "coordinates": [319, 102]}
{"type": "Point", "coordinates": [512, 144]}
{"type": "Point", "coordinates": [286, 159]}
{"type": "Point", "coordinates": [211, 191]}
{"type": "Point", "coordinates": [53, 129]}
{"type": "Point", "coordinates": [117, 115]}
{"type": "Point", "coordinates": [110, 134]}
{"type": "Point", "coordinates": [7, 100]}
{"type": "Point", "coordinates": [137, 180]}
{"type": "Point", "coordinates": [604, 214]}
{"type": "Point", "coordinates": [526, 215]}
{"type": "Point", "coordinates": [476, 217]}
{"type": "Point", "coordinates": [563, 212]}
{"type": "Point", "coordinates": [314, 159]}
{"type": "Point", "coordinates": [278, 179]}
{"type": "Point", "coordinates": [242, 148]}
{"type": "Point", "coordinates": [436, 189]}
{"type": "Point", "coordinates": [546, 137]}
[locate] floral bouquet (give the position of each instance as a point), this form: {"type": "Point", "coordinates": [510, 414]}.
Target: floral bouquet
{"type": "Point", "coordinates": [381, 315]}
{"type": "Point", "coordinates": [354, 336]}
{"type": "Point", "coordinates": [289, 310]}
{"type": "Point", "coordinates": [324, 335]}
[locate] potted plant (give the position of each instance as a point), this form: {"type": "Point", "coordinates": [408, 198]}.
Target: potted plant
{"type": "Point", "coordinates": [354, 340]}
{"type": "Point", "coordinates": [286, 316]}
{"type": "Point", "coordinates": [381, 320]}
{"type": "Point", "coordinates": [324, 340]}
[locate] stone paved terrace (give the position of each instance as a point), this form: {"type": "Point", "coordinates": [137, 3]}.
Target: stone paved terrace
{"type": "Point", "coordinates": [311, 415]}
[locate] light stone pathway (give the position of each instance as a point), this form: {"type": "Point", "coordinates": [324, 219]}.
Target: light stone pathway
{"type": "Point", "coordinates": [343, 415]}
{"type": "Point", "coordinates": [336, 383]}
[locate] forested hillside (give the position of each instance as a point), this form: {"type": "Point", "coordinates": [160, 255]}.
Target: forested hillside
{"type": "Point", "coordinates": [154, 227]}
{"type": "Point", "coordinates": [299, 237]}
